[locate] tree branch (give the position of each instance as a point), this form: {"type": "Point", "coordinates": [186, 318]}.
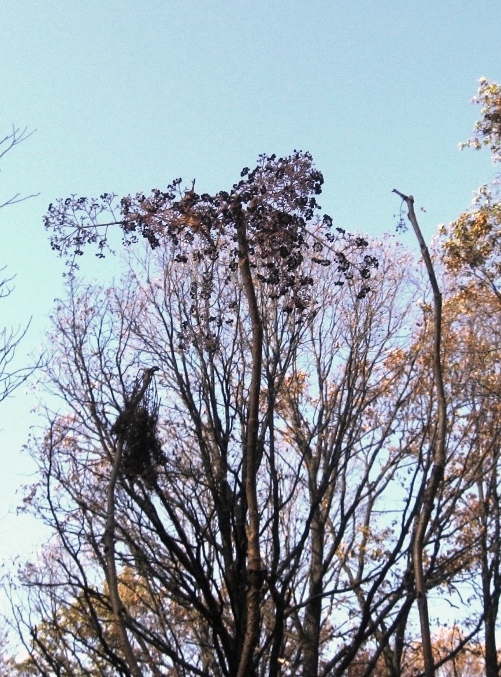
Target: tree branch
{"type": "Point", "coordinates": [424, 515]}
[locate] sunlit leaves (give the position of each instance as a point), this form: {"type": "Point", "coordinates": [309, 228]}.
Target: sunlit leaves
{"type": "Point", "coordinates": [474, 241]}
{"type": "Point", "coordinates": [488, 128]}
{"type": "Point", "coordinates": [471, 244]}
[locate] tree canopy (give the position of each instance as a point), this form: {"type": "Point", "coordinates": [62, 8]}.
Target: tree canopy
{"type": "Point", "coordinates": [269, 443]}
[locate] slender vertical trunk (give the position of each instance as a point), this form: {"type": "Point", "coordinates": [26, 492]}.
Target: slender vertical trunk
{"type": "Point", "coordinates": [119, 610]}
{"type": "Point", "coordinates": [490, 575]}
{"type": "Point", "coordinates": [491, 654]}
{"type": "Point", "coordinates": [437, 472]}
{"type": "Point", "coordinates": [313, 610]}
{"type": "Point", "coordinates": [254, 573]}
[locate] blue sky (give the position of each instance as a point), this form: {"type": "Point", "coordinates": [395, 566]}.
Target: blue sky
{"type": "Point", "coordinates": [127, 95]}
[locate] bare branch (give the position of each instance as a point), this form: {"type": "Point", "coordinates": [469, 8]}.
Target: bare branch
{"type": "Point", "coordinates": [14, 138]}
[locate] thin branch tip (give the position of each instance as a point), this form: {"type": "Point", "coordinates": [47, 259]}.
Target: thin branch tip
{"type": "Point", "coordinates": [407, 198]}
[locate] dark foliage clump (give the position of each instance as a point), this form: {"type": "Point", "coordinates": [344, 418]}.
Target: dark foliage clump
{"type": "Point", "coordinates": [136, 430]}
{"type": "Point", "coordinates": [274, 207]}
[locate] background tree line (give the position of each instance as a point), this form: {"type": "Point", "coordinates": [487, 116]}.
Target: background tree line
{"type": "Point", "coordinates": [240, 435]}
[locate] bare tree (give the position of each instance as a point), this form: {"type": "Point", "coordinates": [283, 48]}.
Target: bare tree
{"type": "Point", "coordinates": [9, 141]}
{"type": "Point", "coordinates": [9, 341]}
{"type": "Point", "coordinates": [10, 338]}
{"type": "Point", "coordinates": [250, 506]}
{"type": "Point", "coordinates": [334, 392]}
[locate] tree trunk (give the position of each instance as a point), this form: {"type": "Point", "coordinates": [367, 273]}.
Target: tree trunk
{"type": "Point", "coordinates": [119, 611]}
{"type": "Point", "coordinates": [254, 567]}
{"type": "Point", "coordinates": [313, 610]}
{"type": "Point", "coordinates": [437, 473]}
{"type": "Point", "coordinates": [490, 578]}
